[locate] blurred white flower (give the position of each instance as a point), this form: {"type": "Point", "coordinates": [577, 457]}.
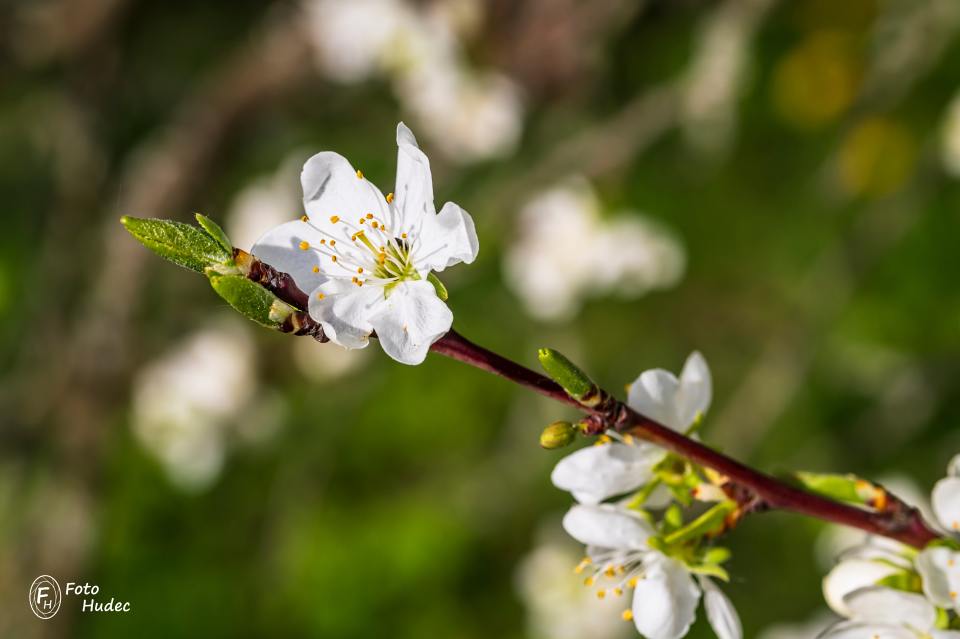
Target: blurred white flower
{"type": "Point", "coordinates": [565, 253]}
{"type": "Point", "coordinates": [266, 202]}
{"type": "Point", "coordinates": [322, 362]}
{"type": "Point", "coordinates": [184, 402]}
{"type": "Point", "coordinates": [470, 114]}
{"type": "Point", "coordinates": [950, 141]}
{"type": "Point", "coordinates": [558, 606]}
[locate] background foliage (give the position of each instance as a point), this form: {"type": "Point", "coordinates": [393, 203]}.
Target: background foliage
{"type": "Point", "coordinates": [801, 152]}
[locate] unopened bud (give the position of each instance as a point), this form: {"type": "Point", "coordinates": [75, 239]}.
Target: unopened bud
{"type": "Point", "coordinates": [564, 372]}
{"type": "Point", "coordinates": [558, 435]}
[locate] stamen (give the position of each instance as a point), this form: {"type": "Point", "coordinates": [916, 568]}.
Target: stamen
{"type": "Point", "coordinates": [627, 615]}
{"type": "Point", "coordinates": [369, 216]}
{"type": "Point", "coordinates": [589, 581]}
{"type": "Point", "coordinates": [360, 270]}
{"type": "Point", "coordinates": [316, 269]}
{"type": "Point", "coordinates": [618, 591]}
{"type": "Point", "coordinates": [320, 296]}
{"type": "Point", "coordinates": [359, 174]}
{"type": "Point", "coordinates": [632, 582]}
{"type": "Point", "coordinates": [304, 218]}
{"type": "Point", "coordinates": [601, 594]}
{"type": "Point", "coordinates": [333, 257]}
{"type": "Point", "coordinates": [334, 219]}
{"type": "Point", "coordinates": [304, 246]}
{"type": "Point", "coordinates": [389, 198]}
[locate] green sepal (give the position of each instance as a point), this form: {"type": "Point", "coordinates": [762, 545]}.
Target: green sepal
{"type": "Point", "coordinates": [839, 487]}
{"type": "Point", "coordinates": [182, 244]}
{"type": "Point", "coordinates": [564, 372]}
{"type": "Point", "coordinates": [672, 520]}
{"type": "Point", "coordinates": [213, 230]}
{"type": "Point", "coordinates": [906, 581]}
{"type": "Point", "coordinates": [943, 620]}
{"type": "Point", "coordinates": [711, 570]}
{"type": "Point", "coordinates": [558, 435]}
{"type": "Point", "coordinates": [711, 521]}
{"type": "Point", "coordinates": [945, 542]}
{"type": "Point", "coordinates": [716, 555]}
{"type": "Point", "coordinates": [250, 299]}
{"type": "Point", "coordinates": [438, 286]}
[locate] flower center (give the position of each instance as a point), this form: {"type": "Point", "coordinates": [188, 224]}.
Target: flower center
{"type": "Point", "coordinates": [366, 251]}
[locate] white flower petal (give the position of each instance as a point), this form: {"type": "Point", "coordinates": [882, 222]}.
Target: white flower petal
{"type": "Point", "coordinates": [939, 569]}
{"type": "Point", "coordinates": [654, 394]}
{"type": "Point", "coordinates": [848, 576]}
{"type": "Point", "coordinates": [595, 473]}
{"type": "Point", "coordinates": [345, 310]}
{"type": "Point", "coordinates": [945, 634]}
{"type": "Point", "coordinates": [447, 238]}
{"type": "Point", "coordinates": [332, 187]}
{"type": "Point", "coordinates": [946, 502]}
{"type": "Point", "coordinates": [280, 247]}
{"type": "Point", "coordinates": [876, 547]}
{"type": "Point", "coordinates": [665, 600]}
{"type": "Point", "coordinates": [860, 630]}
{"type": "Point", "coordinates": [413, 194]}
{"type": "Point", "coordinates": [721, 614]}
{"type": "Point", "coordinates": [876, 604]}
{"type": "Point", "coordinates": [953, 467]}
{"type": "Point", "coordinates": [696, 390]}
{"type": "Point", "coordinates": [410, 320]}
{"type": "Point", "coordinates": [607, 527]}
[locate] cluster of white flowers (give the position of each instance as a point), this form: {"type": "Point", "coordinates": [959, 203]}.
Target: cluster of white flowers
{"type": "Point", "coordinates": [469, 114]}
{"type": "Point", "coordinates": [184, 402]}
{"type": "Point", "coordinates": [565, 252]}
{"type": "Point", "coordinates": [367, 261]}
{"type": "Point", "coordinates": [887, 590]}
{"type": "Point", "coordinates": [622, 552]}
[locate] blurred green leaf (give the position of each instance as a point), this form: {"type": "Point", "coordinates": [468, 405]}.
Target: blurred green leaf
{"type": "Point", "coordinates": [180, 243]}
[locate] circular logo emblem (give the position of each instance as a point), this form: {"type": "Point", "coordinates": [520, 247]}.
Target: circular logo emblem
{"type": "Point", "coordinates": [45, 596]}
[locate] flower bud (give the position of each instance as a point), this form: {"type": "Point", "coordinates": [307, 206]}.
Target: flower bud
{"type": "Point", "coordinates": [558, 435]}
{"type": "Point", "coordinates": [564, 372]}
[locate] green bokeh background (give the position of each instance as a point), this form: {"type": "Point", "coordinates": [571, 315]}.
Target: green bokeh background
{"type": "Point", "coordinates": [398, 501]}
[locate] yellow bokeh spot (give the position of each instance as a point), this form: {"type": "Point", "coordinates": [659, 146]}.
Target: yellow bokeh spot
{"type": "Point", "coordinates": [817, 81]}
{"type": "Point", "coordinates": [876, 157]}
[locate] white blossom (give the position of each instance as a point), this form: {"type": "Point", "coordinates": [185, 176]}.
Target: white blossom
{"type": "Point", "coordinates": [469, 114]}
{"type": "Point", "coordinates": [365, 259]}
{"type": "Point", "coordinates": [665, 593]}
{"type": "Point", "coordinates": [184, 402]}
{"type": "Point", "coordinates": [566, 252]}
{"type": "Point", "coordinates": [599, 472]}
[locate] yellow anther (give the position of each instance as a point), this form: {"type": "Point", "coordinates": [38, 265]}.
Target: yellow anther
{"type": "Point", "coordinates": [374, 224]}
{"type": "Point", "coordinates": [334, 219]}
{"type": "Point", "coordinates": [589, 581]}
{"type": "Point", "coordinates": [369, 216]}
{"type": "Point", "coordinates": [604, 439]}
{"type": "Point", "coordinates": [304, 246]}
{"type": "Point", "coordinates": [618, 591]}
{"type": "Point", "coordinates": [381, 258]}
{"type": "Point", "coordinates": [316, 269]}
{"type": "Point", "coordinates": [628, 440]}
{"type": "Point", "coordinates": [304, 218]}
{"type": "Point", "coordinates": [359, 174]}
{"type": "Point", "coordinates": [323, 241]}
{"type": "Point", "coordinates": [632, 582]}
{"type": "Point", "coordinates": [627, 615]}
{"type": "Point", "coordinates": [359, 282]}
{"type": "Point", "coordinates": [610, 572]}
{"type": "Point", "coordinates": [333, 257]}
{"type": "Point", "coordinates": [360, 270]}
{"type": "Point", "coordinates": [601, 594]}
{"type": "Point", "coordinates": [363, 221]}
{"type": "Point", "coordinates": [953, 594]}
{"type": "Point", "coordinates": [403, 236]}
{"type": "Point", "coordinates": [320, 296]}
{"type": "Point", "coordinates": [333, 242]}
{"type": "Point", "coordinates": [389, 198]}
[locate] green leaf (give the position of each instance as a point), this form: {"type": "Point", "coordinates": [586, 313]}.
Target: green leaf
{"type": "Point", "coordinates": [710, 521]}
{"type": "Point", "coordinates": [180, 243]}
{"type": "Point", "coordinates": [839, 487]}
{"type": "Point", "coordinates": [564, 372]}
{"type": "Point", "coordinates": [250, 299]}
{"type": "Point", "coordinates": [438, 286]}
{"type": "Point", "coordinates": [213, 230]}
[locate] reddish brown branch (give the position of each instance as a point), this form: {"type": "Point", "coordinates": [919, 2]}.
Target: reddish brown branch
{"type": "Point", "coordinates": [764, 492]}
